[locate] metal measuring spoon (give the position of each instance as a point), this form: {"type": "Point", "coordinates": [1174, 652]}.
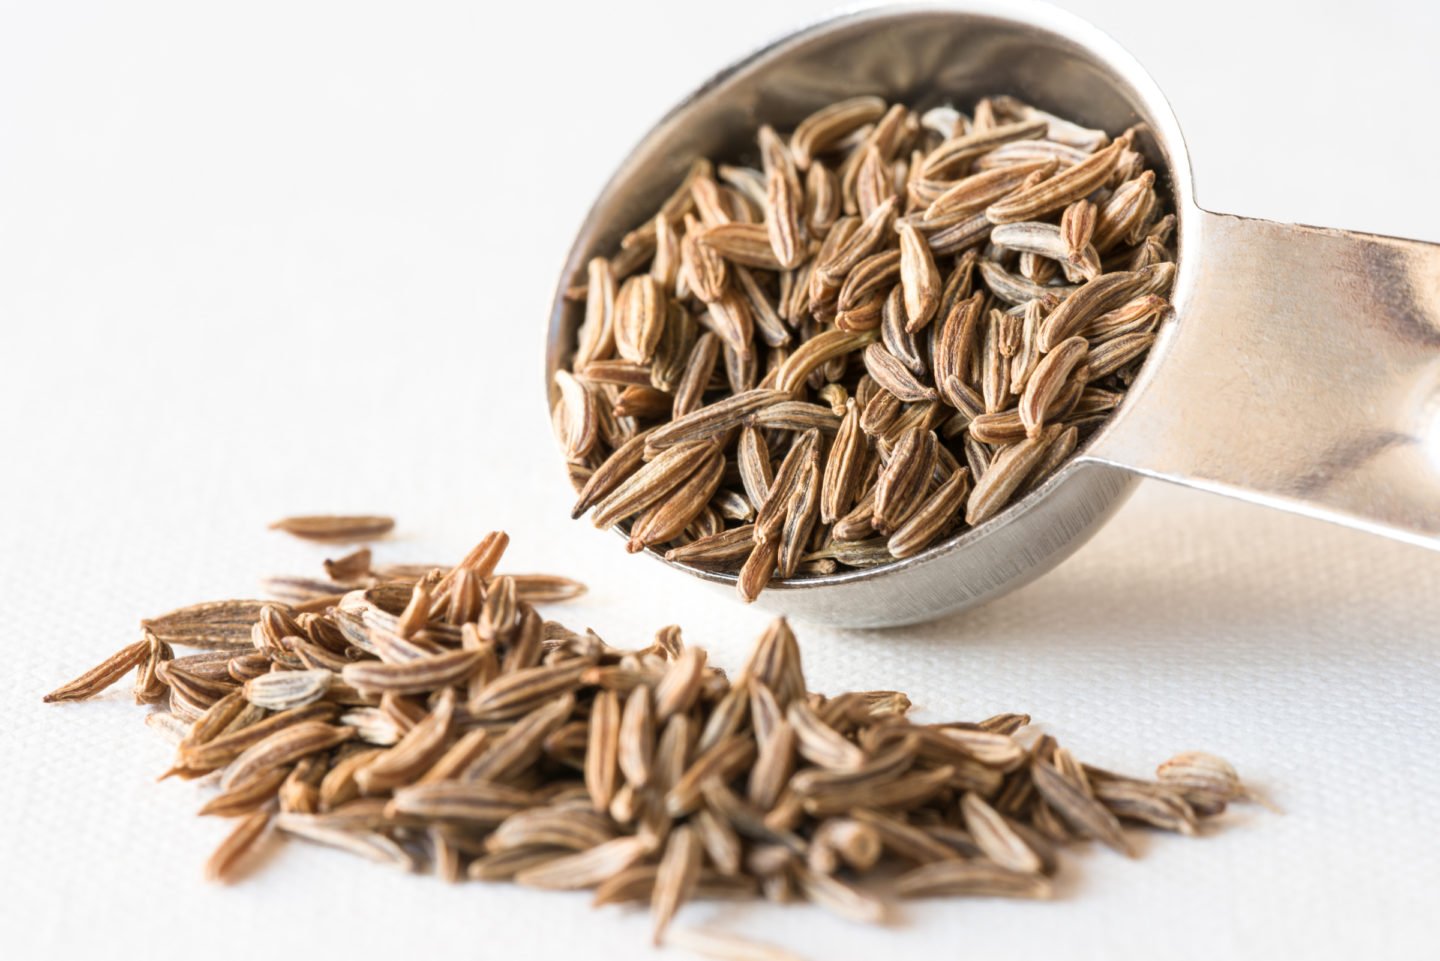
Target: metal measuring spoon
{"type": "Point", "coordinates": [1301, 369]}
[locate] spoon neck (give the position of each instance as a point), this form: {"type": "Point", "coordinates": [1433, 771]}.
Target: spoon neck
{"type": "Point", "coordinates": [1303, 372]}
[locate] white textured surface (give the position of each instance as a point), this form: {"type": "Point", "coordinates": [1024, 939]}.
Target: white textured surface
{"type": "Point", "coordinates": [269, 258]}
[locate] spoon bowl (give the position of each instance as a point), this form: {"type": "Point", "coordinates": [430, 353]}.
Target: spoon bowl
{"type": "Point", "coordinates": [1243, 347]}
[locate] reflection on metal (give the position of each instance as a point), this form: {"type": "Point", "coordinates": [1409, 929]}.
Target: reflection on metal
{"type": "Point", "coordinates": [1302, 370]}
{"type": "Point", "coordinates": [1303, 374]}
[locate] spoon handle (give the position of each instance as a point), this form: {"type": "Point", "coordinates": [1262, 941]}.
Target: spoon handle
{"type": "Point", "coordinates": [1302, 372]}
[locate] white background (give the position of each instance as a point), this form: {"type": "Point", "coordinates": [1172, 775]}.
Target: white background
{"type": "Point", "coordinates": [269, 258]}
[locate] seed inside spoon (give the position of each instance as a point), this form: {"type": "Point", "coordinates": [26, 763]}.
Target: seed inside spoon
{"type": "Point", "coordinates": [965, 280]}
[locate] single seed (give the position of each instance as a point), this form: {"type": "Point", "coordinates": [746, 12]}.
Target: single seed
{"type": "Point", "coordinates": [326, 527]}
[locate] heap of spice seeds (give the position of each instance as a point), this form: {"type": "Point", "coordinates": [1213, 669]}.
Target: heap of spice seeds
{"type": "Point", "coordinates": [433, 718]}
{"type": "Point", "coordinates": [884, 333]}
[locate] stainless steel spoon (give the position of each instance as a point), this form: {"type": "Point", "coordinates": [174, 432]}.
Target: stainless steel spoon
{"type": "Point", "coordinates": [1301, 371]}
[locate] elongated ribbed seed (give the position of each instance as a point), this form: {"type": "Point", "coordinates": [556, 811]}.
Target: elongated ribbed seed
{"type": "Point", "coordinates": [412, 677]}
{"type": "Point", "coordinates": [330, 527]}
{"type": "Point", "coordinates": [1058, 191]}
{"type": "Point", "coordinates": [1048, 380]}
{"type": "Point", "coordinates": [825, 128]}
{"type": "Point", "coordinates": [288, 689]}
{"type": "Point", "coordinates": [101, 676]}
